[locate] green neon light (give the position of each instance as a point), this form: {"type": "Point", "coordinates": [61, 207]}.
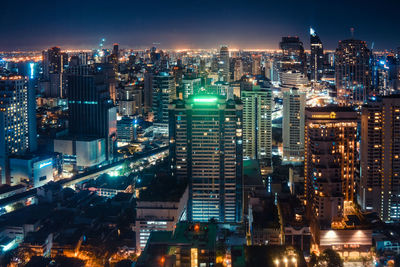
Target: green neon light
{"type": "Point", "coordinates": [205, 100]}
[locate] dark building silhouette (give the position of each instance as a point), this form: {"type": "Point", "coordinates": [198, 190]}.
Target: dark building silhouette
{"type": "Point", "coordinates": [317, 56]}
{"type": "Point", "coordinates": [91, 110]}
{"type": "Point", "coordinates": [293, 56]}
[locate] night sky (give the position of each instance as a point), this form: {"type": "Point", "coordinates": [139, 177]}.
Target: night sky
{"type": "Point", "coordinates": [194, 24]}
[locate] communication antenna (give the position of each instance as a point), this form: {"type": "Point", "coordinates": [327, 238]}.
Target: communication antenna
{"type": "Point", "coordinates": [352, 32]}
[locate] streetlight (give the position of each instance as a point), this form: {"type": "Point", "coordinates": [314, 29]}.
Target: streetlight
{"type": "Point", "coordinates": [277, 262]}
{"type": "Point", "coordinates": [285, 260]}
{"type": "Point", "coordinates": [294, 260]}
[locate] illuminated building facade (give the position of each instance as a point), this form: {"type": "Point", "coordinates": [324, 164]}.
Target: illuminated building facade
{"type": "Point", "coordinates": [353, 72]}
{"type": "Point", "coordinates": [256, 65]}
{"type": "Point", "coordinates": [224, 63]}
{"type": "Point", "coordinates": [330, 161]}
{"type": "Point", "coordinates": [238, 70]}
{"type": "Point", "coordinates": [15, 117]}
{"type": "Point", "coordinates": [317, 56]}
{"type": "Point", "coordinates": [293, 125]}
{"type": "Point", "coordinates": [206, 148]}
{"type": "Point", "coordinates": [380, 158]}
{"type": "Point", "coordinates": [257, 124]}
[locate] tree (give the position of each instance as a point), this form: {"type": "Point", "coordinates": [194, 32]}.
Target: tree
{"type": "Point", "coordinates": [329, 258]}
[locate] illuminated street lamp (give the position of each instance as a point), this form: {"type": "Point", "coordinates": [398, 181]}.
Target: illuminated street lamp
{"type": "Point", "coordinates": [285, 260]}
{"type": "Point", "coordinates": [277, 262]}
{"type": "Point", "coordinates": [294, 260]}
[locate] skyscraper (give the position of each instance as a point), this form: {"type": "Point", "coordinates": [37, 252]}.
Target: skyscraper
{"type": "Point", "coordinates": [257, 125]}
{"type": "Point", "coordinates": [353, 72]}
{"type": "Point", "coordinates": [238, 70]}
{"type": "Point", "coordinates": [317, 56]}
{"type": "Point", "coordinates": [380, 158]}
{"type": "Point", "coordinates": [15, 119]}
{"type": "Point", "coordinates": [148, 91]}
{"type": "Point", "coordinates": [330, 161]}
{"type": "Point", "coordinates": [293, 125]}
{"type": "Point", "coordinates": [293, 56]}
{"type": "Point", "coordinates": [224, 63]}
{"type": "Point", "coordinates": [164, 92]}
{"type": "Point", "coordinates": [256, 65]}
{"type": "Point", "coordinates": [91, 110]}
{"type": "Point", "coordinates": [206, 148]}
{"type": "Point", "coordinates": [53, 63]}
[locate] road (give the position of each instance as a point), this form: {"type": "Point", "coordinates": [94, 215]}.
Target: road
{"type": "Point", "coordinates": [110, 167]}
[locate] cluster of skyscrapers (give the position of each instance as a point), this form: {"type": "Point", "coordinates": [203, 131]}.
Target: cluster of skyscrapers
{"type": "Point", "coordinates": [339, 115]}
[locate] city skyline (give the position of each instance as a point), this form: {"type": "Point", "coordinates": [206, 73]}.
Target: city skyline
{"type": "Point", "coordinates": [200, 24]}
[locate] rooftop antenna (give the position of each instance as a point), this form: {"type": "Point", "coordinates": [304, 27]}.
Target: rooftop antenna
{"type": "Point", "coordinates": [352, 32]}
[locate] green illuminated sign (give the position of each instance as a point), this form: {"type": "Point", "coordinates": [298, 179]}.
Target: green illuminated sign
{"type": "Point", "coordinates": [205, 100]}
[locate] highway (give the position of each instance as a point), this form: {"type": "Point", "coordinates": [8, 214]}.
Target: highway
{"type": "Point", "coordinates": [110, 167]}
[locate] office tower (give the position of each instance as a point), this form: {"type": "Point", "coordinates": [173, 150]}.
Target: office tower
{"type": "Point", "coordinates": [293, 125]}
{"type": "Point", "coordinates": [256, 65]}
{"type": "Point", "coordinates": [116, 50]}
{"type": "Point", "coordinates": [16, 115]}
{"type": "Point", "coordinates": [330, 161]}
{"type": "Point", "coordinates": [380, 157]}
{"type": "Point", "coordinates": [126, 129]}
{"type": "Point", "coordinates": [130, 101]}
{"type": "Point", "coordinates": [353, 72]}
{"type": "Point", "coordinates": [164, 92]}
{"type": "Point", "coordinates": [293, 56]}
{"type": "Point", "coordinates": [272, 70]}
{"type": "Point", "coordinates": [53, 63]}
{"type": "Point", "coordinates": [190, 86]}
{"type": "Point", "coordinates": [257, 125]}
{"type": "Point", "coordinates": [224, 63]}
{"type": "Point", "coordinates": [380, 75]}
{"type": "Point", "coordinates": [91, 110]}
{"type": "Point", "coordinates": [148, 91]}
{"type": "Point", "coordinates": [206, 149]}
{"type": "Point", "coordinates": [317, 56]}
{"type": "Point", "coordinates": [238, 70]}
{"type": "Point", "coordinates": [292, 78]}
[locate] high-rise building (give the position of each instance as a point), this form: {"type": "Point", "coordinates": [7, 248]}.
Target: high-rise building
{"type": "Point", "coordinates": [164, 92]}
{"type": "Point", "coordinates": [148, 91]}
{"type": "Point", "coordinates": [317, 56]}
{"type": "Point", "coordinates": [238, 70]}
{"type": "Point", "coordinates": [353, 72]}
{"type": "Point", "coordinates": [257, 125]}
{"type": "Point", "coordinates": [190, 86]}
{"type": "Point", "coordinates": [91, 110]}
{"type": "Point", "coordinates": [272, 70]}
{"type": "Point", "coordinates": [54, 62]}
{"type": "Point", "coordinates": [293, 56]}
{"type": "Point", "coordinates": [224, 63]}
{"type": "Point", "coordinates": [206, 149]}
{"type": "Point", "coordinates": [293, 125]}
{"type": "Point", "coordinates": [256, 65]}
{"type": "Point", "coordinates": [293, 78]}
{"type": "Point", "coordinates": [15, 119]}
{"type": "Point", "coordinates": [380, 157]}
{"type": "Point", "coordinates": [330, 161]}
